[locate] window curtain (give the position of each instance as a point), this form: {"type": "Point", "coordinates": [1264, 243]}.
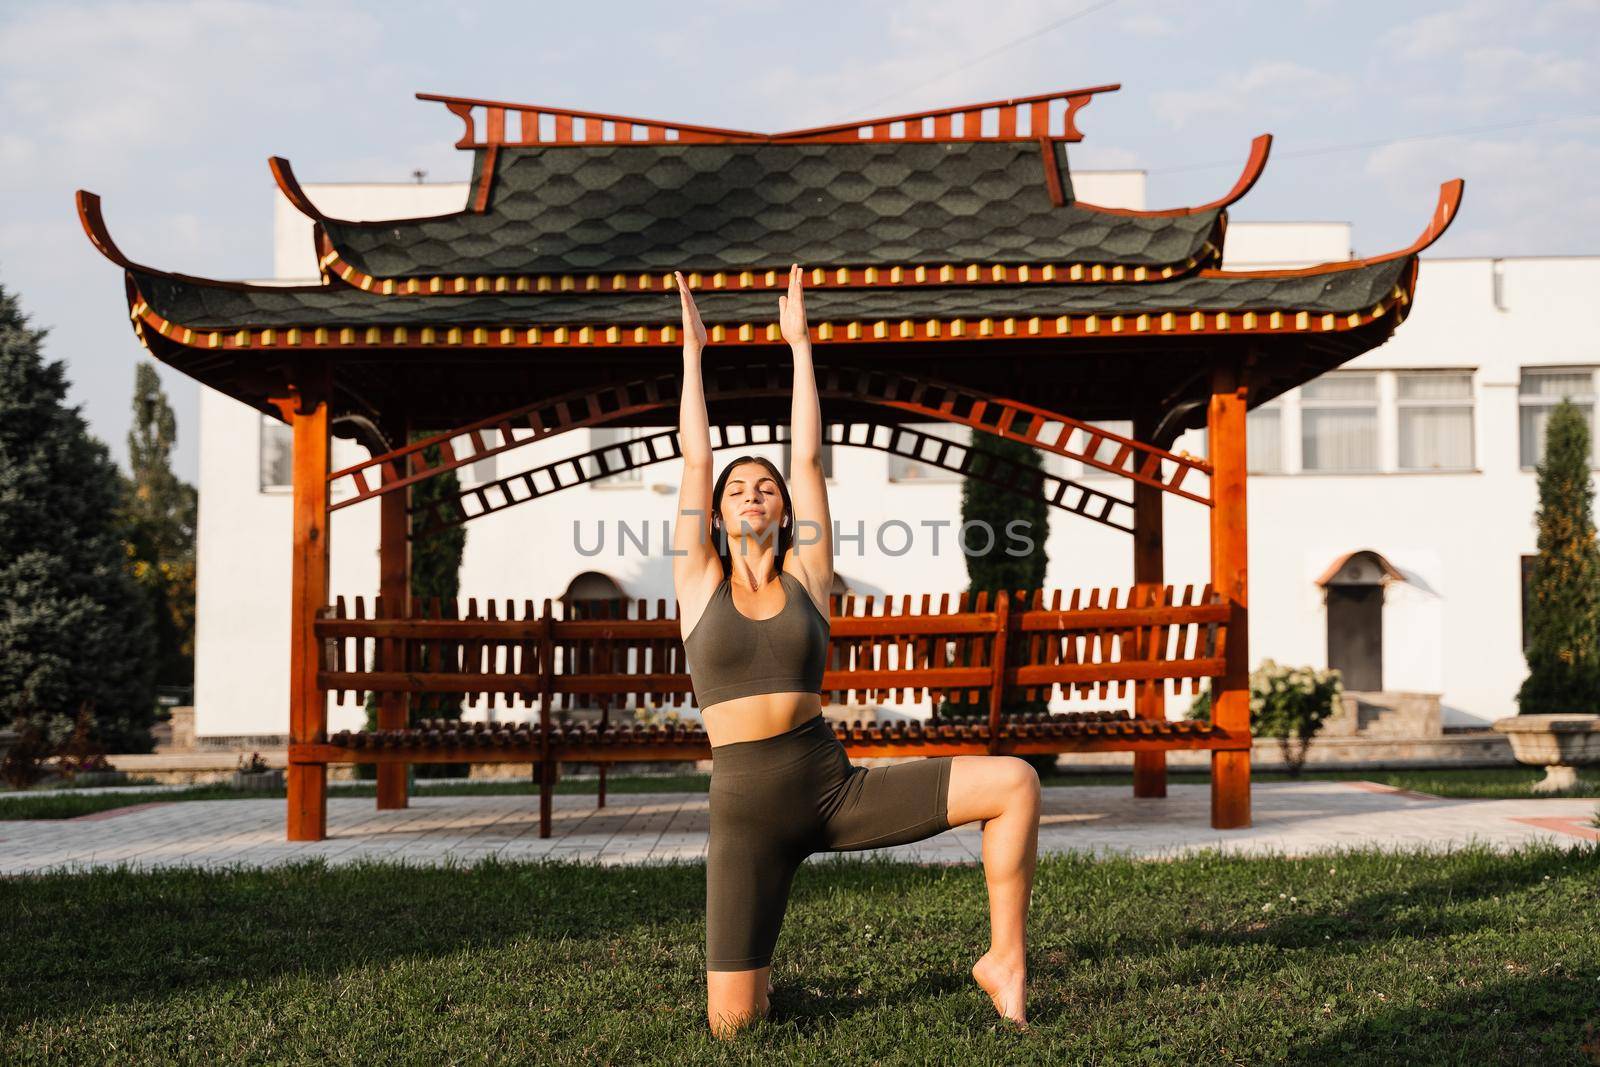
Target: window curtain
{"type": "Point", "coordinates": [1339, 422]}
{"type": "Point", "coordinates": [1264, 440]}
{"type": "Point", "coordinates": [277, 454]}
{"type": "Point", "coordinates": [1435, 436]}
{"type": "Point", "coordinates": [1545, 389]}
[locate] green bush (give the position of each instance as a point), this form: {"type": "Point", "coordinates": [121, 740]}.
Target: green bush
{"type": "Point", "coordinates": [1564, 589]}
{"type": "Point", "coordinates": [1288, 703]}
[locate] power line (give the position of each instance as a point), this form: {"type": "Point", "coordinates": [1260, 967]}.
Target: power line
{"type": "Point", "coordinates": [1025, 38]}
{"type": "Point", "coordinates": [1357, 145]}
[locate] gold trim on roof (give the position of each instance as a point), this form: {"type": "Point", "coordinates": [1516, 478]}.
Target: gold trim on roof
{"type": "Point", "coordinates": [831, 278]}
{"type": "Point", "coordinates": [498, 335]}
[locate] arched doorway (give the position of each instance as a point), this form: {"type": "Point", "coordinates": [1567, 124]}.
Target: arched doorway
{"type": "Point", "coordinates": [1353, 593]}
{"type": "Point", "coordinates": [594, 594]}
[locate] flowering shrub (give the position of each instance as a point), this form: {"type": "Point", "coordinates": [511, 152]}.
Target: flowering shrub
{"type": "Point", "coordinates": [1289, 703]}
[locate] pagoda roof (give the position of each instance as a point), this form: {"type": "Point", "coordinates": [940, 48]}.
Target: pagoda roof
{"type": "Point", "coordinates": [897, 192]}
{"type": "Point", "coordinates": [1101, 320]}
{"type": "Point", "coordinates": [610, 209]}
{"type": "Point", "coordinates": [209, 307]}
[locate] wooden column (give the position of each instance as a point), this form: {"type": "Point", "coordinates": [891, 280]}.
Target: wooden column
{"type": "Point", "coordinates": [308, 705]}
{"type": "Point", "coordinates": [1230, 708]}
{"type": "Point", "coordinates": [394, 589]}
{"type": "Point", "coordinates": [544, 768]}
{"type": "Point", "coordinates": [1149, 768]}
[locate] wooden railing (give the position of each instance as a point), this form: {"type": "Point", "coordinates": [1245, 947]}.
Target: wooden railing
{"type": "Point", "coordinates": [1050, 115]}
{"type": "Point", "coordinates": [983, 650]}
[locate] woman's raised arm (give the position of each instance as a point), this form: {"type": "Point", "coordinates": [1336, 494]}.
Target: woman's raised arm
{"type": "Point", "coordinates": [695, 566]}
{"type": "Point", "coordinates": [813, 526]}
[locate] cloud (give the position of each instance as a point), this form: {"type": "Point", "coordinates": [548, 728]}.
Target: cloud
{"type": "Point", "coordinates": [1148, 25]}
{"type": "Point", "coordinates": [169, 71]}
{"type": "Point", "coordinates": [928, 62]}
{"type": "Point", "coordinates": [1269, 89]}
{"type": "Point", "coordinates": [1526, 195]}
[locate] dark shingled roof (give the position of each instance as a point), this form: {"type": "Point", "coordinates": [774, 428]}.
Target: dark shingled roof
{"type": "Point", "coordinates": [644, 208]}
{"type": "Point", "coordinates": [201, 306]}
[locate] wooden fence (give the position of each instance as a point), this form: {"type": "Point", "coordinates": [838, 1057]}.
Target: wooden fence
{"type": "Point", "coordinates": [1013, 647]}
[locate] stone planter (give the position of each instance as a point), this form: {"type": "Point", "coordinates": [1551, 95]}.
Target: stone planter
{"type": "Point", "coordinates": [90, 779]}
{"type": "Point", "coordinates": [1558, 743]}
{"type": "Point", "coordinates": [271, 781]}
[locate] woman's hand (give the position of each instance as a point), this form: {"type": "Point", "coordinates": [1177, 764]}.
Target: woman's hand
{"type": "Point", "coordinates": [694, 331]}
{"type": "Point", "coordinates": [792, 310]}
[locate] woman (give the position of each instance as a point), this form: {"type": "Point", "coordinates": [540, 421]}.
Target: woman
{"type": "Point", "coordinates": [753, 600]}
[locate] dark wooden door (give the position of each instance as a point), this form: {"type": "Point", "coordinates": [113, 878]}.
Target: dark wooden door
{"type": "Point", "coordinates": [1355, 634]}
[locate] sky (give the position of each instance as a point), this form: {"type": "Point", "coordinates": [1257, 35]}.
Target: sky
{"type": "Point", "coordinates": [169, 110]}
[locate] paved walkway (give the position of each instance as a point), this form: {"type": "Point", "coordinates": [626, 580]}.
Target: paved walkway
{"type": "Point", "coordinates": [1290, 818]}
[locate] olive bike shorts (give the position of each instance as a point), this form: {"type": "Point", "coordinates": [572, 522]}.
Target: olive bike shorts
{"type": "Point", "coordinates": [777, 800]}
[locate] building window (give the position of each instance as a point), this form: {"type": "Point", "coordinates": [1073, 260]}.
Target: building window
{"type": "Point", "coordinates": [1339, 422]}
{"type": "Point", "coordinates": [905, 469]}
{"type": "Point", "coordinates": [276, 466]}
{"type": "Point", "coordinates": [1435, 419]}
{"type": "Point", "coordinates": [1541, 390]}
{"type": "Point", "coordinates": [1263, 433]}
{"type": "Point", "coordinates": [827, 458]}
{"type": "Point", "coordinates": [628, 438]}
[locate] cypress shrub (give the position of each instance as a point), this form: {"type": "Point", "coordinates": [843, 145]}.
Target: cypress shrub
{"type": "Point", "coordinates": [1564, 589]}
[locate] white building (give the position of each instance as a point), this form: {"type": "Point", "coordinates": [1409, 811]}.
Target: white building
{"type": "Point", "coordinates": [1420, 452]}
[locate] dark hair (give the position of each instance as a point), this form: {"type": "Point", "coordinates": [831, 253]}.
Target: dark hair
{"type": "Point", "coordinates": [719, 536]}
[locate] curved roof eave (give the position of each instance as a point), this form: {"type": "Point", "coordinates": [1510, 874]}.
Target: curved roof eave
{"type": "Point", "coordinates": [1254, 164]}
{"type": "Point", "coordinates": [1445, 210]}
{"type": "Point", "coordinates": [94, 226]}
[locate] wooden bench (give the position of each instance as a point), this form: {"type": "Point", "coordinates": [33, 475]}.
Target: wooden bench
{"type": "Point", "coordinates": [988, 653]}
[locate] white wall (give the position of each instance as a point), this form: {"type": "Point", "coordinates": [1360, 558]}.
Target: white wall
{"type": "Point", "coordinates": [1455, 631]}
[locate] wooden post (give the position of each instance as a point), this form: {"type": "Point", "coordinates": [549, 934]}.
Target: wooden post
{"type": "Point", "coordinates": [394, 587]}
{"type": "Point", "coordinates": [997, 686]}
{"type": "Point", "coordinates": [308, 705]}
{"type": "Point", "coordinates": [547, 678]}
{"type": "Point", "coordinates": [1149, 768]}
{"type": "Point", "coordinates": [1230, 706]}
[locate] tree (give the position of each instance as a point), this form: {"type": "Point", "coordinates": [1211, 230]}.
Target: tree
{"type": "Point", "coordinates": [1004, 564]}
{"type": "Point", "coordinates": [158, 513]}
{"type": "Point", "coordinates": [75, 632]}
{"type": "Point", "coordinates": [1564, 594]}
{"type": "Point", "coordinates": [435, 573]}
{"type": "Point", "coordinates": [1002, 538]}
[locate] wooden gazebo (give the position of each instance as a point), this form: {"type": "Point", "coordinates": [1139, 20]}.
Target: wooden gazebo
{"type": "Point", "coordinates": [954, 276]}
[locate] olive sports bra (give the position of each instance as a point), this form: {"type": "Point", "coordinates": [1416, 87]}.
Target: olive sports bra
{"type": "Point", "coordinates": [732, 655]}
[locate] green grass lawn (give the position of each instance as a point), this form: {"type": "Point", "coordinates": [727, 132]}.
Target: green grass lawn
{"type": "Point", "coordinates": [1495, 783]}
{"type": "Point", "coordinates": [1350, 958]}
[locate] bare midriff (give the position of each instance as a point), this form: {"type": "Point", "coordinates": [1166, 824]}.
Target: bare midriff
{"type": "Point", "coordinates": [755, 717]}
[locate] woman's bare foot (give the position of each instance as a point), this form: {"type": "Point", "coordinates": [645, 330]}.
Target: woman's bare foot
{"type": "Point", "coordinates": [1006, 984]}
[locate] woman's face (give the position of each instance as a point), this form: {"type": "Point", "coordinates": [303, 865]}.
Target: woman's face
{"type": "Point", "coordinates": [751, 499]}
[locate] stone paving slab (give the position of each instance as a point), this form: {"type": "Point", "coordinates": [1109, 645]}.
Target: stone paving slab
{"type": "Point", "coordinates": [1289, 818]}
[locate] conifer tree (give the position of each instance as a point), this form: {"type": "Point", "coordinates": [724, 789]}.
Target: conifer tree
{"type": "Point", "coordinates": [159, 511]}
{"type": "Point", "coordinates": [1564, 595]}
{"type": "Point", "coordinates": [75, 631]}
{"type": "Point", "coordinates": [435, 573]}
{"type": "Point", "coordinates": [998, 526]}
{"type": "Point", "coordinates": [1009, 563]}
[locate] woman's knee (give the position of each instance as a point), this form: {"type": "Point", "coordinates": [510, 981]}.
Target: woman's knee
{"type": "Point", "coordinates": [1022, 778]}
